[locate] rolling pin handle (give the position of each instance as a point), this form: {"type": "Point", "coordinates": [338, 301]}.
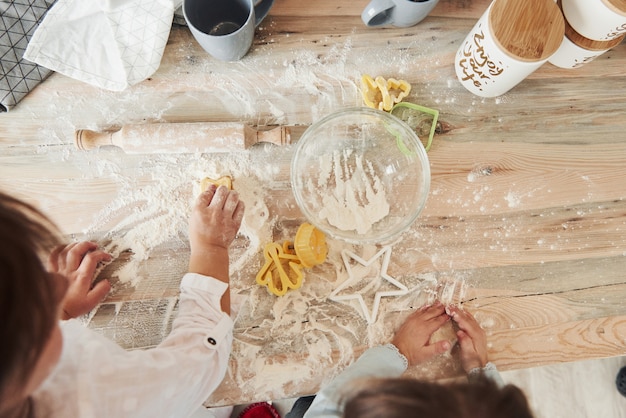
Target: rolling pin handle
{"type": "Point", "coordinates": [279, 135]}
{"type": "Point", "coordinates": [85, 139]}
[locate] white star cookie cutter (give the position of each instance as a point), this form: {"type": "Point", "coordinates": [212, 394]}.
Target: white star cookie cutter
{"type": "Point", "coordinates": [385, 253]}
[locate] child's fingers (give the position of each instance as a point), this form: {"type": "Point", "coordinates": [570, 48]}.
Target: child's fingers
{"type": "Point", "coordinates": [433, 324]}
{"type": "Point", "coordinates": [239, 211]}
{"type": "Point", "coordinates": [80, 301]}
{"type": "Point", "coordinates": [98, 293]}
{"type": "Point", "coordinates": [474, 330]}
{"type": "Point", "coordinates": [53, 258]}
{"type": "Point", "coordinates": [465, 342]}
{"type": "Point", "coordinates": [89, 264]}
{"type": "Point", "coordinates": [431, 350]}
{"type": "Point", "coordinates": [471, 332]}
{"type": "Point", "coordinates": [424, 310]}
{"type": "Point", "coordinates": [432, 311]}
{"type": "Point", "coordinates": [232, 200]}
{"type": "Point", "coordinates": [77, 252]}
{"type": "Point", "coordinates": [460, 318]}
{"type": "Point", "coordinates": [219, 199]}
{"type": "Point", "coordinates": [206, 197]}
{"type": "Point", "coordinates": [60, 256]}
{"type": "Point", "coordinates": [427, 322]}
{"type": "Point", "coordinates": [465, 320]}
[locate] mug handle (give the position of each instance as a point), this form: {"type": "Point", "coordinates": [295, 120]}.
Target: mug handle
{"type": "Point", "coordinates": [261, 9]}
{"type": "Point", "coordinates": [377, 13]}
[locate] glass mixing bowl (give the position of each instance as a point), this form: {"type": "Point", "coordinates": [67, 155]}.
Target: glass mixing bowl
{"type": "Point", "coordinates": [360, 175]}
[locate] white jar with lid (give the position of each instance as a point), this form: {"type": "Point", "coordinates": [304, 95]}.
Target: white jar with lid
{"type": "Point", "coordinates": [598, 20]}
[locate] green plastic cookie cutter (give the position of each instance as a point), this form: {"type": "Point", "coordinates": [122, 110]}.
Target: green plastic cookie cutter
{"type": "Point", "coordinates": [399, 142]}
{"type": "Point", "coordinates": [412, 106]}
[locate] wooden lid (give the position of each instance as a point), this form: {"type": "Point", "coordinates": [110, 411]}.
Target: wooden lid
{"type": "Point", "coordinates": [618, 6]}
{"type": "Point", "coordinates": [586, 43]}
{"type": "Point", "coordinates": [528, 30]}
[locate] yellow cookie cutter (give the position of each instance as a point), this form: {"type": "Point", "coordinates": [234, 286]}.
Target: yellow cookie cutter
{"type": "Point", "coordinates": [382, 94]}
{"type": "Point", "coordinates": [310, 245]}
{"type": "Point", "coordinates": [274, 274]}
{"type": "Point", "coordinates": [283, 264]}
{"type": "Point", "coordinates": [370, 92]}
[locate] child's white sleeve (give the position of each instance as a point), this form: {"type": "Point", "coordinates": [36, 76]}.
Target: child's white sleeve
{"type": "Point", "coordinates": [98, 378]}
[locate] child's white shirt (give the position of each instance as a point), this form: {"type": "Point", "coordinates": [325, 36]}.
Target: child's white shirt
{"type": "Point", "coordinates": [95, 377]}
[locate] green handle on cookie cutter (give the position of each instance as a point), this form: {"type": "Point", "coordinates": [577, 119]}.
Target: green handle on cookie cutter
{"type": "Point", "coordinates": [399, 142]}
{"type": "Point", "coordinates": [434, 113]}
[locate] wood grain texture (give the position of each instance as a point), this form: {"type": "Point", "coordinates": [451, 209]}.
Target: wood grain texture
{"type": "Point", "coordinates": [527, 30]}
{"type": "Point", "coordinates": [527, 203]}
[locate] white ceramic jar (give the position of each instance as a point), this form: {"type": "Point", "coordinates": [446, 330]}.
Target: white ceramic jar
{"type": "Point", "coordinates": [512, 39]}
{"type": "Point", "coordinates": [599, 20]}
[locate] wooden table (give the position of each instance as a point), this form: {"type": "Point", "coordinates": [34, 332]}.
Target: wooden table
{"type": "Point", "coordinates": [526, 208]}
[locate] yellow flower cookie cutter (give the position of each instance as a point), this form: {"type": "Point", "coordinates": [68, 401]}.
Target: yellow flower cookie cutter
{"type": "Point", "coordinates": [283, 264]}
{"type": "Point", "coordinates": [383, 94]}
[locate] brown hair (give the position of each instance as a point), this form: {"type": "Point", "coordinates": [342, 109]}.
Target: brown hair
{"type": "Point", "coordinates": [28, 297]}
{"type": "Point", "coordinates": [403, 397]}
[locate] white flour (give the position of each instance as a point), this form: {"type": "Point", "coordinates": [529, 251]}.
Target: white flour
{"type": "Point", "coordinates": [144, 216]}
{"type": "Point", "coordinates": [358, 198]}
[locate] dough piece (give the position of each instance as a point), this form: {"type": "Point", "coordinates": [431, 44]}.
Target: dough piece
{"type": "Point", "coordinates": [446, 332]}
{"type": "Point", "coordinates": [222, 181]}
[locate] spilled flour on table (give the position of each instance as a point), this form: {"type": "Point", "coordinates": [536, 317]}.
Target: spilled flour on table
{"type": "Point", "coordinates": [146, 215]}
{"type": "Point", "coordinates": [152, 209]}
{"type": "Point", "coordinates": [325, 336]}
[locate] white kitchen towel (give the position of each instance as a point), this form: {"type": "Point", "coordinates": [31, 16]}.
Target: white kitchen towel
{"type": "Point", "coordinates": [110, 44]}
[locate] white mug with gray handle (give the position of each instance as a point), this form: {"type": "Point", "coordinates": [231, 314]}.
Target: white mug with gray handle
{"type": "Point", "coordinates": [400, 13]}
{"type": "Point", "coordinates": [225, 29]}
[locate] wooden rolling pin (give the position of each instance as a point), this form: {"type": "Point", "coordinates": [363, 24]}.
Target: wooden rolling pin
{"type": "Point", "coordinates": [154, 138]}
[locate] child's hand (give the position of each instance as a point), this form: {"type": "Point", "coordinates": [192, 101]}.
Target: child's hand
{"type": "Point", "coordinates": [472, 340]}
{"type": "Point", "coordinates": [78, 263]}
{"type": "Point", "coordinates": [412, 339]}
{"type": "Point", "coordinates": [216, 218]}
{"type": "Point", "coordinates": [214, 223]}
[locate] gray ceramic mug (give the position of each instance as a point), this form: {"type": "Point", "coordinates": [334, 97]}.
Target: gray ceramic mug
{"type": "Point", "coordinates": [225, 29]}
{"type": "Point", "coordinates": [400, 13]}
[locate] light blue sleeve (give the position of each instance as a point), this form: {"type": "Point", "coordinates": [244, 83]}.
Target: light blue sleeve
{"type": "Point", "coordinates": [489, 371]}
{"type": "Point", "coordinates": [382, 361]}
